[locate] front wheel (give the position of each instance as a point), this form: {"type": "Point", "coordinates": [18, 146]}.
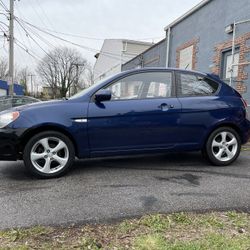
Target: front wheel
{"type": "Point", "coordinates": [49, 154]}
{"type": "Point", "coordinates": [223, 146]}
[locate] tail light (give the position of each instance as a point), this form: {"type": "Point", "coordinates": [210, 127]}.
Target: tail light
{"type": "Point", "coordinates": [246, 107]}
{"type": "Point", "coordinates": [244, 102]}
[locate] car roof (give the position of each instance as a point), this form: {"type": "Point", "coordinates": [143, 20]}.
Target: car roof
{"type": "Point", "coordinates": [149, 69]}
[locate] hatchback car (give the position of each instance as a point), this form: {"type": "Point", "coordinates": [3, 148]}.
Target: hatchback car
{"type": "Point", "coordinates": [135, 112]}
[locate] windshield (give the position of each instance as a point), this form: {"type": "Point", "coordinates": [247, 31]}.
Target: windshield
{"type": "Point", "coordinates": [84, 91]}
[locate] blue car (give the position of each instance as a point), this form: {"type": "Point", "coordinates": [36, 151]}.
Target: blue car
{"type": "Point", "coordinates": [135, 112]}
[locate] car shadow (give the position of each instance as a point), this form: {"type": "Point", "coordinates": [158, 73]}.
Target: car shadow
{"type": "Point", "coordinates": [192, 162]}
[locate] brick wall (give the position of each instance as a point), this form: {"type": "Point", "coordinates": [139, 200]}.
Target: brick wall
{"type": "Point", "coordinates": [193, 42]}
{"type": "Point", "coordinates": [242, 42]}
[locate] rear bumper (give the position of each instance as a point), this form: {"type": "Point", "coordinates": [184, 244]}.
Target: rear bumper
{"type": "Point", "coordinates": [9, 144]}
{"type": "Point", "coordinates": [245, 131]}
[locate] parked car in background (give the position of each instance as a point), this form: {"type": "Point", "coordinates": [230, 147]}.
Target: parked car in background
{"type": "Point", "coordinates": [141, 111]}
{"type": "Point", "coordinates": [7, 102]}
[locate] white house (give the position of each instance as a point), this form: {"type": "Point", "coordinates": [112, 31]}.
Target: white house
{"type": "Point", "coordinates": [114, 53]}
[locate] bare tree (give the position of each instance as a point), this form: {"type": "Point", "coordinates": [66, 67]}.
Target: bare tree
{"type": "Point", "coordinates": [22, 78]}
{"type": "Point", "coordinates": [58, 71]}
{"type": "Point", "coordinates": [3, 68]}
{"type": "Point", "coordinates": [87, 78]}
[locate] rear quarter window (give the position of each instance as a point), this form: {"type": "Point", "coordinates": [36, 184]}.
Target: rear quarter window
{"type": "Point", "coordinates": [195, 85]}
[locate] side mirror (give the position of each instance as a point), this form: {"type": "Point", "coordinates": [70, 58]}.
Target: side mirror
{"type": "Point", "coordinates": [103, 95]}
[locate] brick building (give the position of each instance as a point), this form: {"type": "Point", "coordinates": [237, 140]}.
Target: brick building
{"type": "Point", "coordinates": [201, 40]}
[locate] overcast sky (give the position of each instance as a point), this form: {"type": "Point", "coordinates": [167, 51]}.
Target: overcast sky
{"type": "Point", "coordinates": [96, 19]}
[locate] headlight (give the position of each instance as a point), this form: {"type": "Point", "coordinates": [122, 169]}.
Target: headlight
{"type": "Point", "coordinates": [7, 118]}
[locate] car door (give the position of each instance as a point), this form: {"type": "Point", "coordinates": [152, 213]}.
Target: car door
{"type": "Point", "coordinates": [200, 104]}
{"type": "Point", "coordinates": [142, 115]}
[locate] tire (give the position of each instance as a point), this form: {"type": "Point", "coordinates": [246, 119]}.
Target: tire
{"type": "Point", "coordinates": [223, 146]}
{"type": "Point", "coordinates": [49, 154]}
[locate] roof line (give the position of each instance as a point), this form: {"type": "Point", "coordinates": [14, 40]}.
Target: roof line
{"type": "Point", "coordinates": [129, 41]}
{"type": "Point", "coordinates": [142, 53]}
{"type": "Point", "coordinates": [136, 42]}
{"type": "Point", "coordinates": [187, 14]}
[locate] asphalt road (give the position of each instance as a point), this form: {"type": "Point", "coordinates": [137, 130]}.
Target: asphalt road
{"type": "Point", "coordinates": [109, 189]}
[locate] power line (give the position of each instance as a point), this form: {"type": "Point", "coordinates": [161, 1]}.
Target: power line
{"type": "Point", "coordinates": [27, 33]}
{"type": "Point", "coordinates": [111, 55]}
{"type": "Point", "coordinates": [41, 38]}
{"type": "Point", "coordinates": [4, 24]}
{"type": "Point", "coordinates": [4, 14]}
{"type": "Point", "coordinates": [23, 24]}
{"type": "Point", "coordinates": [27, 51]}
{"type": "Point", "coordinates": [3, 30]}
{"type": "Point", "coordinates": [89, 38]}
{"type": "Point", "coordinates": [44, 13]}
{"type": "Point", "coordinates": [4, 6]}
{"type": "Point", "coordinates": [20, 53]}
{"type": "Point", "coordinates": [19, 12]}
{"type": "Point", "coordinates": [37, 13]}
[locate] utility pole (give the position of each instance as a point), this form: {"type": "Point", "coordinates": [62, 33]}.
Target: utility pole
{"type": "Point", "coordinates": [11, 49]}
{"type": "Point", "coordinates": [77, 75]}
{"type": "Point", "coordinates": [31, 84]}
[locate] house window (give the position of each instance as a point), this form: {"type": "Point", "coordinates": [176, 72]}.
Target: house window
{"type": "Point", "coordinates": [186, 58]}
{"type": "Point", "coordinates": [227, 62]}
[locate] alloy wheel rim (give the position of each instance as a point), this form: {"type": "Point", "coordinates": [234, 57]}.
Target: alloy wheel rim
{"type": "Point", "coordinates": [224, 146]}
{"type": "Point", "coordinates": [49, 155]}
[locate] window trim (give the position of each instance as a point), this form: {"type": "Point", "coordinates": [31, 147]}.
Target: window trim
{"type": "Point", "coordinates": [178, 83]}
{"type": "Point", "coordinates": [173, 82]}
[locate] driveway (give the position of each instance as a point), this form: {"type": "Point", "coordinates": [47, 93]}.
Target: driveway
{"type": "Point", "coordinates": [105, 190]}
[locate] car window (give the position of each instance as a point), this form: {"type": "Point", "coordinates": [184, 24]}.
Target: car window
{"type": "Point", "coordinates": [195, 85]}
{"type": "Point", "coordinates": [142, 86]}
{"type": "Point", "coordinates": [27, 101]}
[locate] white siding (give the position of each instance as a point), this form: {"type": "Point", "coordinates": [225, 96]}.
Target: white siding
{"type": "Point", "coordinates": [113, 54]}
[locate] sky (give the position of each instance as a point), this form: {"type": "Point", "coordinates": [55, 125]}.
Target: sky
{"type": "Point", "coordinates": [88, 22]}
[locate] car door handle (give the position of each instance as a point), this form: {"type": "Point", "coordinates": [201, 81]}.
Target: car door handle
{"type": "Point", "coordinates": [166, 107]}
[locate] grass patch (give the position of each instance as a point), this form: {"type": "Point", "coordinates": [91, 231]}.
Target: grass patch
{"type": "Point", "coordinates": [149, 242]}
{"type": "Point", "coordinates": [157, 223]}
{"type": "Point", "coordinates": [127, 226]}
{"type": "Point", "coordinates": [212, 221]}
{"type": "Point", "coordinates": [21, 234]}
{"type": "Point", "coordinates": [182, 218]}
{"type": "Point", "coordinates": [179, 231]}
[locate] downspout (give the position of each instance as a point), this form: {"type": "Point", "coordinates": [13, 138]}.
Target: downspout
{"type": "Point", "coordinates": [233, 52]}
{"type": "Point", "coordinates": [168, 47]}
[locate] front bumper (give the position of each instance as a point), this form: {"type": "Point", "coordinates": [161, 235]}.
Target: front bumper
{"type": "Point", "coordinates": [9, 144]}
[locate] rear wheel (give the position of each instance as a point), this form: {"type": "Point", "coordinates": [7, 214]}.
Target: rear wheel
{"type": "Point", "coordinates": [223, 146]}
{"type": "Point", "coordinates": [49, 154]}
